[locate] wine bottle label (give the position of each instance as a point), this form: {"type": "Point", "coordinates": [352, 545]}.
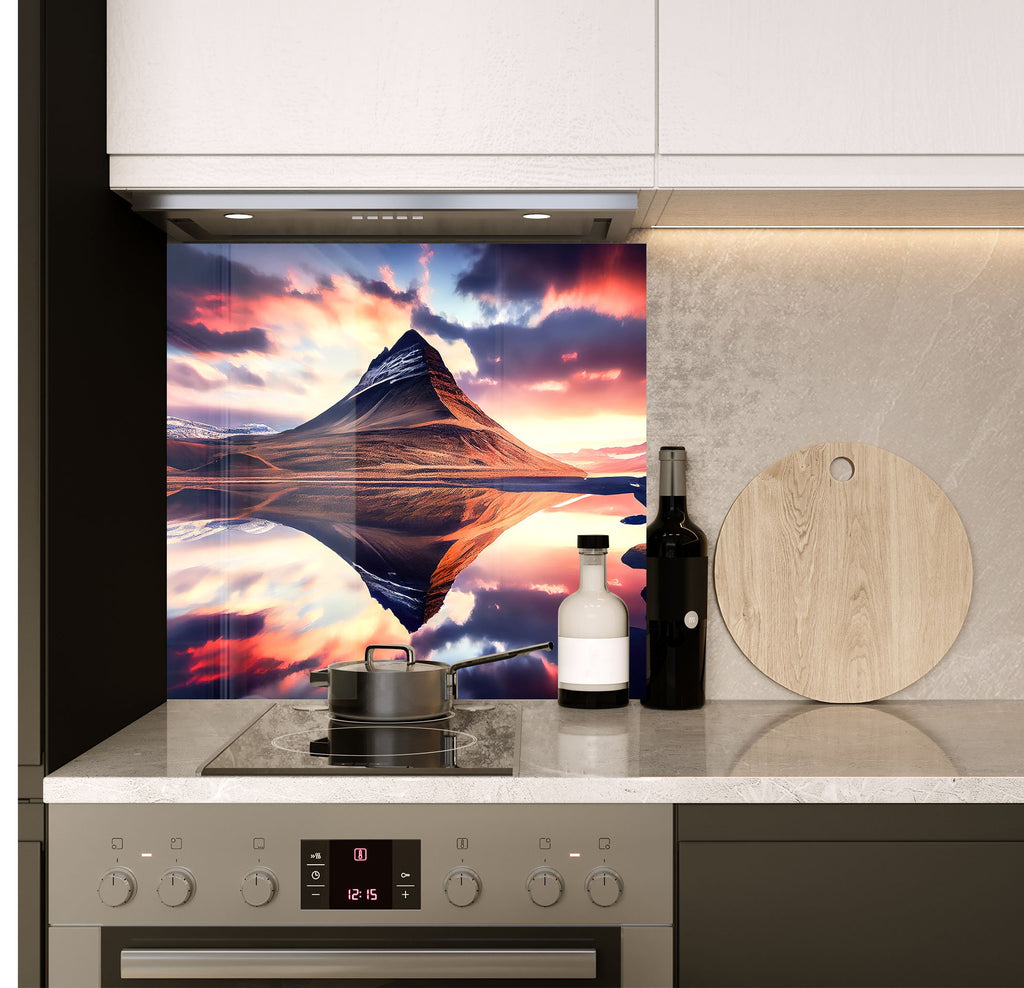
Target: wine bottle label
{"type": "Point", "coordinates": [593, 663]}
{"type": "Point", "coordinates": [676, 588]}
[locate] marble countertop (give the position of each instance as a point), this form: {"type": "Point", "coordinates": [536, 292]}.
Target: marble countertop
{"type": "Point", "coordinates": [966, 751]}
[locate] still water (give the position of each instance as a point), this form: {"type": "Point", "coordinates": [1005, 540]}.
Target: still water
{"type": "Point", "coordinates": [267, 581]}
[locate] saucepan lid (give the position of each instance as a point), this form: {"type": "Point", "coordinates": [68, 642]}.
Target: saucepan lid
{"type": "Point", "coordinates": [406, 663]}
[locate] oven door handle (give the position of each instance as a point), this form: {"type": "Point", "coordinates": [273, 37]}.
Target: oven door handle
{"type": "Point", "coordinates": [447, 965]}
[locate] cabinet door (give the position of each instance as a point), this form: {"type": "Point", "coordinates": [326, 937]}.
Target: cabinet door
{"type": "Point", "coordinates": [850, 913]}
{"type": "Point", "coordinates": [391, 77]}
{"type": "Point", "coordinates": [806, 77]}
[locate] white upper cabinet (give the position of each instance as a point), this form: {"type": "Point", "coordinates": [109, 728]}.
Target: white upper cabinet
{"type": "Point", "coordinates": [565, 94]}
{"type": "Point", "coordinates": [381, 77]}
{"type": "Point", "coordinates": [841, 77]}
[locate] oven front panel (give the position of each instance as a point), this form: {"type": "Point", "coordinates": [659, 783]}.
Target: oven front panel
{"type": "Point", "coordinates": [626, 957]}
{"type": "Point", "coordinates": [240, 865]}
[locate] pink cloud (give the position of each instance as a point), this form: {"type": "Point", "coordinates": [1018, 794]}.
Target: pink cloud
{"type": "Point", "coordinates": [548, 386]}
{"type": "Point", "coordinates": [608, 375]}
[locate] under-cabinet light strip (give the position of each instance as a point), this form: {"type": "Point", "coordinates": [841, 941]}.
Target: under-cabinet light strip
{"type": "Point", "coordinates": [830, 226]}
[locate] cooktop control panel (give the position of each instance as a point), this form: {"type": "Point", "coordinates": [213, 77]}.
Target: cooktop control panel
{"type": "Point", "coordinates": [239, 864]}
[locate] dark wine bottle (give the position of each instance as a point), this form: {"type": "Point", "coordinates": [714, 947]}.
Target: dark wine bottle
{"type": "Point", "coordinates": [677, 594]}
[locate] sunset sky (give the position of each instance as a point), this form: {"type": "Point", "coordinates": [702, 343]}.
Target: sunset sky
{"type": "Point", "coordinates": [548, 339]}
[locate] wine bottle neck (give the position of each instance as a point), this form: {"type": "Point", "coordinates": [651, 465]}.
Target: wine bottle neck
{"type": "Point", "coordinates": [672, 480]}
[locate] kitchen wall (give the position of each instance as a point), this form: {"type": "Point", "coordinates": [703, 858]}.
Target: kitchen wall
{"type": "Point", "coordinates": [761, 342]}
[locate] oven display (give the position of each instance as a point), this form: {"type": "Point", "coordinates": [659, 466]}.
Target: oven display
{"type": "Point", "coordinates": [360, 874]}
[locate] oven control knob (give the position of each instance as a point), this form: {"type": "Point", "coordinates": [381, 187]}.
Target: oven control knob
{"type": "Point", "coordinates": [545, 886]}
{"type": "Point", "coordinates": [604, 887]}
{"type": "Point", "coordinates": [462, 886]}
{"type": "Point", "coordinates": [117, 887]}
{"type": "Point", "coordinates": [176, 887]}
{"type": "Point", "coordinates": [259, 886]}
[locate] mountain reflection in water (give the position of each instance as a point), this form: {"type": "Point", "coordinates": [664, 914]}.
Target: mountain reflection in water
{"type": "Point", "coordinates": [407, 542]}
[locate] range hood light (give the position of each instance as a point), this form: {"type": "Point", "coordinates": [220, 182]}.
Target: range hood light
{"type": "Point", "coordinates": [536, 216]}
{"type": "Point", "coordinates": [238, 216]}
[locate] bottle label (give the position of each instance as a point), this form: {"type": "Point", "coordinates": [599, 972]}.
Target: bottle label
{"type": "Point", "coordinates": [677, 587]}
{"type": "Point", "coordinates": [593, 663]}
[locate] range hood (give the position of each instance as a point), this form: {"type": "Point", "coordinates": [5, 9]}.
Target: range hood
{"type": "Point", "coordinates": [574, 217]}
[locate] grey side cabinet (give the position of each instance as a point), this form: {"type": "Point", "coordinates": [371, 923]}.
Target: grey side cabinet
{"type": "Point", "coordinates": [864, 895]}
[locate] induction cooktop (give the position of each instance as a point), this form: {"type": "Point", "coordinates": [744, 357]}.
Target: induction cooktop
{"type": "Point", "coordinates": [298, 737]}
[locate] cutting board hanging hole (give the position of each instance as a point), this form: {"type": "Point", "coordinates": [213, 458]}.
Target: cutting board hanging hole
{"type": "Point", "coordinates": [841, 468]}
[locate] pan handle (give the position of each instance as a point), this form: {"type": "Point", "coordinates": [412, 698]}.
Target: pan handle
{"type": "Point", "coordinates": [466, 663]}
{"type": "Point", "coordinates": [368, 657]}
{"type": "Point", "coordinates": [320, 677]}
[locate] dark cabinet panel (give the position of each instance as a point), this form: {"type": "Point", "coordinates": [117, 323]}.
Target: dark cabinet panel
{"type": "Point", "coordinates": [30, 150]}
{"type": "Point", "coordinates": [104, 309]}
{"type": "Point", "coordinates": [815, 911]}
{"type": "Point", "coordinates": [30, 913]}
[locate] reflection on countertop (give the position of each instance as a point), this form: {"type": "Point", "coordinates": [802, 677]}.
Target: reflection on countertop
{"type": "Point", "coordinates": [843, 740]}
{"type": "Point", "coordinates": [729, 751]}
{"type": "Point", "coordinates": [761, 739]}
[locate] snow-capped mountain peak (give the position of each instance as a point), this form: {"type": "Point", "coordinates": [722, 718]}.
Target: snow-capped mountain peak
{"type": "Point", "coordinates": [185, 430]}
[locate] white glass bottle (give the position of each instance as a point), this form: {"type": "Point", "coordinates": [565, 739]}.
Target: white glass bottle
{"type": "Point", "coordinates": [593, 636]}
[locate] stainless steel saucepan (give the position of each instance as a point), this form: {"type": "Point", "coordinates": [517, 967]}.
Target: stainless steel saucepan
{"type": "Point", "coordinates": [398, 689]}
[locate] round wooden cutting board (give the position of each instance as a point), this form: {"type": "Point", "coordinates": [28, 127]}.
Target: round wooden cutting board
{"type": "Point", "coordinates": [843, 590]}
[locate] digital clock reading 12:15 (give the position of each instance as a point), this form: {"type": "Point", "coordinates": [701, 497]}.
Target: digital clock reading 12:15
{"type": "Point", "coordinates": [360, 874]}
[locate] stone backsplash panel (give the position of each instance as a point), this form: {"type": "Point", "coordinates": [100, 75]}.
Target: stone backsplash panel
{"type": "Point", "coordinates": [761, 342]}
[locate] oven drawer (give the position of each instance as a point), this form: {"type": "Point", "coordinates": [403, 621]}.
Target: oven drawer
{"type": "Point", "coordinates": [360, 957]}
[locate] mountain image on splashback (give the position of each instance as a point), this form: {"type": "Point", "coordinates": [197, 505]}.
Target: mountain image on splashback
{"type": "Point", "coordinates": [397, 443]}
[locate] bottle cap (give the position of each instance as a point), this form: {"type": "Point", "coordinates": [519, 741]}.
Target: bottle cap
{"type": "Point", "coordinates": [591, 541]}
{"type": "Point", "coordinates": [672, 453]}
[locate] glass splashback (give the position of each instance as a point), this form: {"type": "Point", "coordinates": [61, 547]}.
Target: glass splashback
{"type": "Point", "coordinates": [396, 443]}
